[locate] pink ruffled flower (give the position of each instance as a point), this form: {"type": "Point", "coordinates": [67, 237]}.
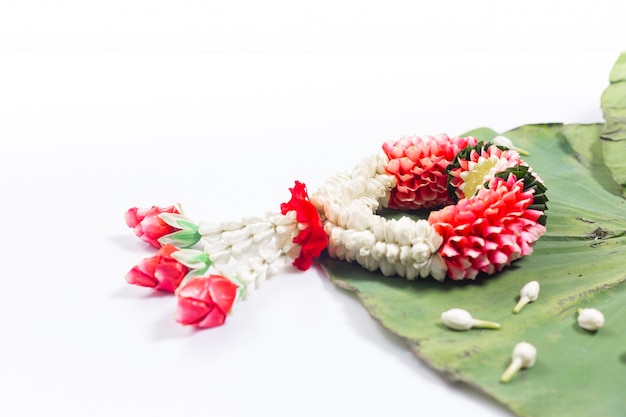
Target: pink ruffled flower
{"type": "Point", "coordinates": [419, 164]}
{"type": "Point", "coordinates": [147, 224]}
{"type": "Point", "coordinates": [205, 301]}
{"type": "Point", "coordinates": [485, 162]}
{"type": "Point", "coordinates": [488, 232]}
{"type": "Point", "coordinates": [161, 272]}
{"type": "Point", "coordinates": [312, 238]}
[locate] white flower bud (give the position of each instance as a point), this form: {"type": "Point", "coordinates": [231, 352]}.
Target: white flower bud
{"type": "Point", "coordinates": [528, 294]}
{"type": "Point", "coordinates": [503, 141]}
{"type": "Point", "coordinates": [228, 226]}
{"type": "Point", "coordinates": [459, 319]}
{"type": "Point", "coordinates": [259, 227]}
{"type": "Point", "coordinates": [437, 267]}
{"type": "Point", "coordinates": [590, 319]}
{"type": "Point", "coordinates": [506, 142]}
{"type": "Point", "coordinates": [524, 356]}
{"type": "Point", "coordinates": [209, 229]}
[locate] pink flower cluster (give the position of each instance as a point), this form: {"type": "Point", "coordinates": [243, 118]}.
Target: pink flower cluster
{"type": "Point", "coordinates": [507, 159]}
{"type": "Point", "coordinates": [419, 164]}
{"type": "Point", "coordinates": [489, 231]}
{"type": "Point", "coordinates": [482, 233]}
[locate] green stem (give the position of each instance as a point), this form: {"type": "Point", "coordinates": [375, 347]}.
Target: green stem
{"type": "Point", "coordinates": [485, 324]}
{"type": "Point", "coordinates": [521, 151]}
{"type": "Point", "coordinates": [520, 304]}
{"type": "Point", "coordinates": [513, 368]}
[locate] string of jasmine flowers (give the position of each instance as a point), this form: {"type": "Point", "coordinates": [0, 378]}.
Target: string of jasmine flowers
{"type": "Point", "coordinates": [404, 247]}
{"type": "Point", "coordinates": [252, 249]}
{"type": "Point", "coordinates": [242, 254]}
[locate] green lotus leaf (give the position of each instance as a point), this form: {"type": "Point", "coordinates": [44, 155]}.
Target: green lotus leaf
{"type": "Point", "coordinates": [614, 131]}
{"type": "Point", "coordinates": [579, 263]}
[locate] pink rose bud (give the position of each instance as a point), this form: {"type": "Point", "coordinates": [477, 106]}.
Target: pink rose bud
{"type": "Point", "coordinates": [205, 301]}
{"type": "Point", "coordinates": [147, 224]}
{"type": "Point", "coordinates": [161, 272]}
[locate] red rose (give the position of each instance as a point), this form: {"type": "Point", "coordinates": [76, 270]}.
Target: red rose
{"type": "Point", "coordinates": [147, 224]}
{"type": "Point", "coordinates": [161, 272]}
{"type": "Point", "coordinates": [205, 301]}
{"type": "Point", "coordinates": [312, 238]}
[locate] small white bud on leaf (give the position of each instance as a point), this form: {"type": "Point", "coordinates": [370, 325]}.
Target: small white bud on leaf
{"type": "Point", "coordinates": [459, 319]}
{"type": "Point", "coordinates": [528, 294]}
{"type": "Point", "coordinates": [590, 319]}
{"type": "Point", "coordinates": [508, 143]}
{"type": "Point", "coordinates": [524, 356]}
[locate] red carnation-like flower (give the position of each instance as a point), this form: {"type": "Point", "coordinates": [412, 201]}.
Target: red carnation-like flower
{"type": "Point", "coordinates": [312, 238]}
{"type": "Point", "coordinates": [205, 301]}
{"type": "Point", "coordinates": [147, 224]}
{"type": "Point", "coordinates": [161, 272]}
{"type": "Point", "coordinates": [419, 164]}
{"type": "Point", "coordinates": [488, 232]}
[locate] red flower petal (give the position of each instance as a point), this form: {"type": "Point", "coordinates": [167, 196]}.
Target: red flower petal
{"type": "Point", "coordinates": [205, 301]}
{"type": "Point", "coordinates": [223, 292]}
{"type": "Point", "coordinates": [161, 271]}
{"type": "Point", "coordinates": [148, 265]}
{"type": "Point", "coordinates": [169, 275]}
{"type": "Point", "coordinates": [131, 217]}
{"type": "Point", "coordinates": [313, 239]}
{"type": "Point", "coordinates": [215, 317]}
{"type": "Point", "coordinates": [136, 277]}
{"type": "Point", "coordinates": [191, 311]}
{"type": "Point", "coordinates": [147, 224]}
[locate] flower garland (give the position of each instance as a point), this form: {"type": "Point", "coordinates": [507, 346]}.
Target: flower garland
{"type": "Point", "coordinates": [491, 211]}
{"type": "Point", "coordinates": [242, 254]}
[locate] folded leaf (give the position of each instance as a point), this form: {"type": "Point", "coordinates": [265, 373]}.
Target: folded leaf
{"type": "Point", "coordinates": [614, 132]}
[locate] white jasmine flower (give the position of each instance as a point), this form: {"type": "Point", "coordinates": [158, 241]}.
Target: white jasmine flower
{"type": "Point", "coordinates": [368, 262]}
{"type": "Point", "coordinates": [437, 268]}
{"type": "Point", "coordinates": [503, 141]}
{"type": "Point", "coordinates": [209, 230]}
{"type": "Point", "coordinates": [405, 255]}
{"type": "Point", "coordinates": [524, 356]}
{"type": "Point", "coordinates": [508, 143]}
{"type": "Point", "coordinates": [590, 319]}
{"type": "Point", "coordinates": [234, 237]}
{"type": "Point", "coordinates": [459, 319]}
{"type": "Point", "coordinates": [239, 249]}
{"type": "Point", "coordinates": [228, 226]}
{"type": "Point", "coordinates": [386, 267]}
{"type": "Point", "coordinates": [258, 227]}
{"type": "Point", "coordinates": [528, 294]}
{"type": "Point", "coordinates": [399, 246]}
{"type": "Point", "coordinates": [393, 253]}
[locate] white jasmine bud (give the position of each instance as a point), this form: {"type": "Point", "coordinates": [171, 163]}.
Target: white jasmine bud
{"type": "Point", "coordinates": [528, 294]}
{"type": "Point", "coordinates": [590, 319]}
{"type": "Point", "coordinates": [524, 356]}
{"type": "Point", "coordinates": [459, 319]}
{"type": "Point", "coordinates": [508, 143]}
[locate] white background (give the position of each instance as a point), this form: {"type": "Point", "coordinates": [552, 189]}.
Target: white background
{"type": "Point", "coordinates": [221, 105]}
